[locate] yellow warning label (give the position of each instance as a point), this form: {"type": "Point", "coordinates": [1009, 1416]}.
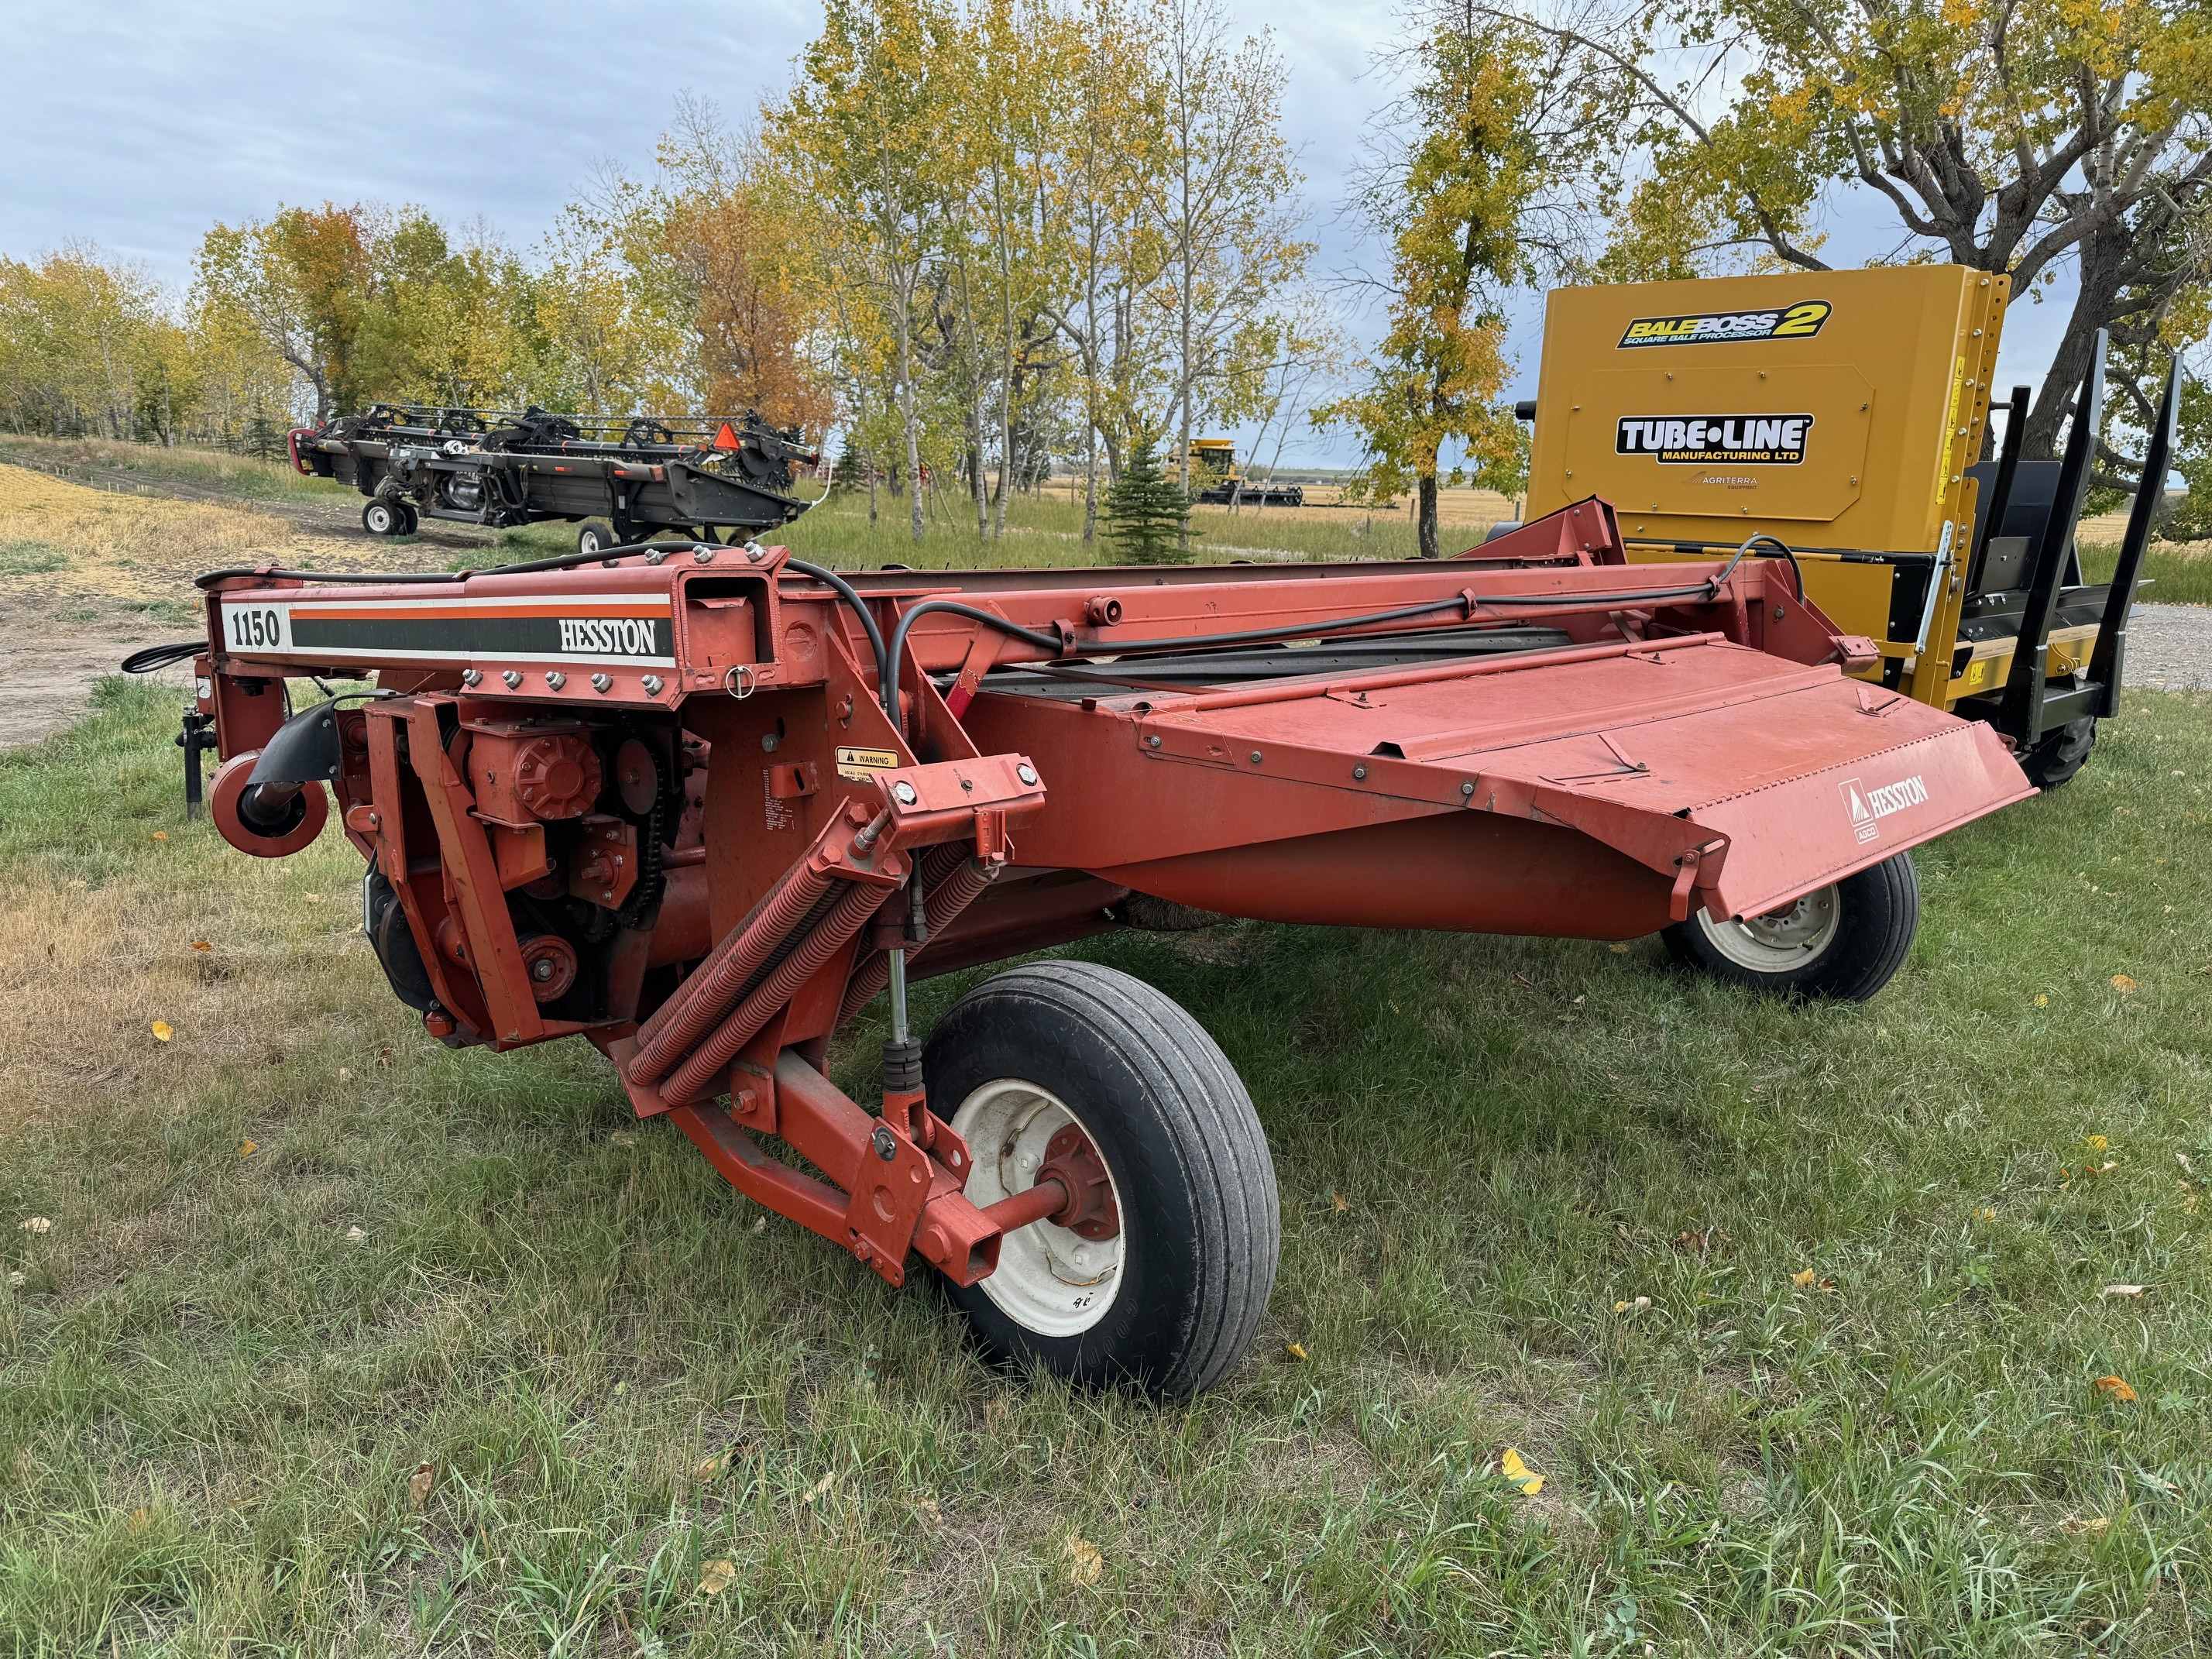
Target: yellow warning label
{"type": "Point", "coordinates": [858, 763]}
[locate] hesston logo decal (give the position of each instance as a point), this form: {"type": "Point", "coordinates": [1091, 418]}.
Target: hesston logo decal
{"type": "Point", "coordinates": [612, 637]}
{"type": "Point", "coordinates": [1799, 322]}
{"type": "Point", "coordinates": [1869, 807]}
{"type": "Point", "coordinates": [1701, 440]}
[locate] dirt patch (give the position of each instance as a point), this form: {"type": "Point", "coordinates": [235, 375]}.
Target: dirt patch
{"type": "Point", "coordinates": [88, 576]}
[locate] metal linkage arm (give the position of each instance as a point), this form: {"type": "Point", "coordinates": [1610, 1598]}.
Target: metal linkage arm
{"type": "Point", "coordinates": [2022, 711]}
{"type": "Point", "coordinates": [2105, 663]}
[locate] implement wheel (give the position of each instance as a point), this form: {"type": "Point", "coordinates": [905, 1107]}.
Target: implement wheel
{"type": "Point", "coordinates": [595, 536]}
{"type": "Point", "coordinates": [1161, 1280]}
{"type": "Point", "coordinates": [1842, 942]}
{"type": "Point", "coordinates": [2060, 753]}
{"type": "Point", "coordinates": [383, 517]}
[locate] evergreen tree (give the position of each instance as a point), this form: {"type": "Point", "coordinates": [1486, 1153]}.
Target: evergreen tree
{"type": "Point", "coordinates": [1146, 511]}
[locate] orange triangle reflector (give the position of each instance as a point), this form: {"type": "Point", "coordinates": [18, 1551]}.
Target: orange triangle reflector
{"type": "Point", "coordinates": [726, 438]}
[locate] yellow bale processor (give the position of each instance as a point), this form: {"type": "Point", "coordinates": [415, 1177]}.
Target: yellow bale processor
{"type": "Point", "coordinates": [1217, 479]}
{"type": "Point", "coordinates": [1839, 418]}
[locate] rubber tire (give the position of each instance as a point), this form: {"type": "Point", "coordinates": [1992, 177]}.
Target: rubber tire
{"type": "Point", "coordinates": [2059, 755]}
{"type": "Point", "coordinates": [413, 518]}
{"type": "Point", "coordinates": [594, 535]}
{"type": "Point", "coordinates": [1189, 1162]}
{"type": "Point", "coordinates": [383, 517]}
{"type": "Point", "coordinates": [1881, 912]}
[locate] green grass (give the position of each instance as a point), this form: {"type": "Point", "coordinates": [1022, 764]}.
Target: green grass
{"type": "Point", "coordinates": [2171, 575]}
{"type": "Point", "coordinates": [29, 558]}
{"type": "Point", "coordinates": [212, 1400]}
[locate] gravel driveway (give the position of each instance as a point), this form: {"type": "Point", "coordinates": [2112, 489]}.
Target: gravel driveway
{"type": "Point", "coordinates": [2170, 648]}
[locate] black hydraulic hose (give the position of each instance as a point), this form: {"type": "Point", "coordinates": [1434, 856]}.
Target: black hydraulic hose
{"type": "Point", "coordinates": [155, 657]}
{"type": "Point", "coordinates": [851, 596]}
{"type": "Point", "coordinates": [1782, 549]}
{"type": "Point", "coordinates": [887, 667]}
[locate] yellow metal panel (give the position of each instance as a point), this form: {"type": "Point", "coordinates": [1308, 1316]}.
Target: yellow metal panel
{"type": "Point", "coordinates": [1887, 364]}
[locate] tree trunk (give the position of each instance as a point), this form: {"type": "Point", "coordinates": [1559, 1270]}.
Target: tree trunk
{"type": "Point", "coordinates": [1425, 516]}
{"type": "Point", "coordinates": [905, 412]}
{"type": "Point", "coordinates": [2094, 301]}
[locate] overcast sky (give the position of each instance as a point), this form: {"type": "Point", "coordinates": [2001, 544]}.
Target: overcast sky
{"type": "Point", "coordinates": [135, 123]}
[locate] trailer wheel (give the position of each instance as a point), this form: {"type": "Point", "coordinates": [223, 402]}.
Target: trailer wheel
{"type": "Point", "coordinates": [2059, 755]}
{"type": "Point", "coordinates": [592, 537]}
{"type": "Point", "coordinates": [1169, 1299]}
{"type": "Point", "coordinates": [412, 519]}
{"type": "Point", "coordinates": [382, 517]}
{"type": "Point", "coordinates": [1844, 942]}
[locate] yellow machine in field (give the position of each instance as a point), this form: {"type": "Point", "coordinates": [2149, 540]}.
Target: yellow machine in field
{"type": "Point", "coordinates": [1217, 479]}
{"type": "Point", "coordinates": [1841, 415]}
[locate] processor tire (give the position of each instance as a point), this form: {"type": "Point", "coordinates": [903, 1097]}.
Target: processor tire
{"type": "Point", "coordinates": [595, 536]}
{"type": "Point", "coordinates": [1168, 1300]}
{"type": "Point", "coordinates": [2055, 757]}
{"type": "Point", "coordinates": [1842, 942]}
{"type": "Point", "coordinates": [383, 517]}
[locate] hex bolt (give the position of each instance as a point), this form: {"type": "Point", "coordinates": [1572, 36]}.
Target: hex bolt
{"type": "Point", "coordinates": [902, 793]}
{"type": "Point", "coordinates": [1467, 788]}
{"type": "Point", "coordinates": [1778, 613]}
{"type": "Point", "coordinates": [702, 555]}
{"type": "Point", "coordinates": [1026, 772]}
{"type": "Point", "coordinates": [885, 1143]}
{"type": "Point", "coordinates": [769, 741]}
{"type": "Point", "coordinates": [1255, 757]}
{"type": "Point", "coordinates": [1358, 773]}
{"type": "Point", "coordinates": [1153, 741]}
{"type": "Point", "coordinates": [554, 679]}
{"type": "Point", "coordinates": [511, 679]}
{"type": "Point", "coordinates": [471, 677]}
{"type": "Point", "coordinates": [602, 683]}
{"type": "Point", "coordinates": [652, 683]}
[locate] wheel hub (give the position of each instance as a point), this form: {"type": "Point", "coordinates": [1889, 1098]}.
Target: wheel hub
{"type": "Point", "coordinates": [1779, 939]}
{"type": "Point", "coordinates": [1057, 1277]}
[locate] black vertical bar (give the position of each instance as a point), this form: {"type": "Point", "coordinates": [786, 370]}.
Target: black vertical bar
{"type": "Point", "coordinates": [2021, 714]}
{"type": "Point", "coordinates": [2105, 661]}
{"type": "Point", "coordinates": [2001, 490]}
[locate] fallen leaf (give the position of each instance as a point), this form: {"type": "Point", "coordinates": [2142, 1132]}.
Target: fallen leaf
{"type": "Point", "coordinates": [1804, 1277]}
{"type": "Point", "coordinates": [2123, 984]}
{"type": "Point", "coordinates": [713, 1466]}
{"type": "Point", "coordinates": [160, 835]}
{"type": "Point", "coordinates": [344, 1075]}
{"type": "Point", "coordinates": [1084, 1561]}
{"type": "Point", "coordinates": [1618, 950]}
{"type": "Point", "coordinates": [2042, 1000]}
{"type": "Point", "coordinates": [1639, 1306]}
{"type": "Point", "coordinates": [162, 1030]}
{"type": "Point", "coordinates": [16, 1279]}
{"type": "Point", "coordinates": [139, 1519]}
{"type": "Point", "coordinates": [37, 1223]}
{"type": "Point", "coordinates": [247, 1148]}
{"type": "Point", "coordinates": [624, 1138]}
{"type": "Point", "coordinates": [820, 1487]}
{"type": "Point", "coordinates": [1986, 1214]}
{"type": "Point", "coordinates": [2115, 1388]}
{"type": "Point", "coordinates": [1511, 1466]}
{"type": "Point", "coordinates": [929, 1511]}
{"type": "Point", "coordinates": [715, 1576]}
{"type": "Point", "coordinates": [1338, 1202]}
{"type": "Point", "coordinates": [1296, 1349]}
{"type": "Point", "coordinates": [2092, 1526]}
{"type": "Point", "coordinates": [2123, 1289]}
{"type": "Point", "coordinates": [2095, 1143]}
{"type": "Point", "coordinates": [354, 1235]}
{"type": "Point", "coordinates": [201, 945]}
{"type": "Point", "coordinates": [419, 1484]}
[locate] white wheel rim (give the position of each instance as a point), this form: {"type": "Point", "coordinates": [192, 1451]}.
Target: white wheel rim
{"type": "Point", "coordinates": [379, 519]}
{"type": "Point", "coordinates": [1781, 939]}
{"type": "Point", "coordinates": [1050, 1279]}
{"type": "Point", "coordinates": [591, 540]}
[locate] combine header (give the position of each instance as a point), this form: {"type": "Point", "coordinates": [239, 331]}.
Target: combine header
{"type": "Point", "coordinates": [702, 804]}
{"type": "Point", "coordinates": [624, 479]}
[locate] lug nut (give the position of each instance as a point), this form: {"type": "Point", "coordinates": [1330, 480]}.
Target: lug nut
{"type": "Point", "coordinates": [511, 678]}
{"type": "Point", "coordinates": [555, 678]}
